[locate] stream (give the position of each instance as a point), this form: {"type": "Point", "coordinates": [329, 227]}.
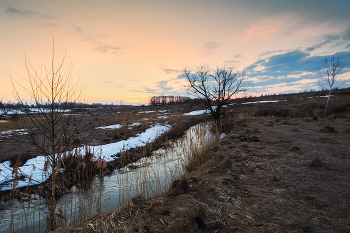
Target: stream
{"type": "Point", "coordinates": [148, 176]}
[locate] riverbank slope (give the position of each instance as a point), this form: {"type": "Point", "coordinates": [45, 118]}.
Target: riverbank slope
{"type": "Point", "coordinates": [270, 173]}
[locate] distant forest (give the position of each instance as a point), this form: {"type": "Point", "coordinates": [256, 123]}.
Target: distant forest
{"type": "Point", "coordinates": [170, 99]}
{"type": "Point", "coordinates": [61, 105]}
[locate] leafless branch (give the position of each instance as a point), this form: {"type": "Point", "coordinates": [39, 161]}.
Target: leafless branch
{"type": "Point", "coordinates": [330, 72]}
{"type": "Point", "coordinates": [53, 94]}
{"type": "Point", "coordinates": [216, 88]}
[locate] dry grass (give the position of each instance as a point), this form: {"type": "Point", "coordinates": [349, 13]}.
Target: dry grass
{"type": "Point", "coordinates": [80, 170]}
{"type": "Point", "coordinates": [27, 205]}
{"type": "Point", "coordinates": [266, 185]}
{"type": "Point", "coordinates": [200, 154]}
{"type": "Point", "coordinates": [238, 180]}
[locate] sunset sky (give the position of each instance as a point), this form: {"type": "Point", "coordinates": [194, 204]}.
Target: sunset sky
{"type": "Point", "coordinates": [125, 50]}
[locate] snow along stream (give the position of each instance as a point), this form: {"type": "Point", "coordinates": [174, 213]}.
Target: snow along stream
{"type": "Point", "coordinates": [148, 177]}
{"type": "Point", "coordinates": [33, 169]}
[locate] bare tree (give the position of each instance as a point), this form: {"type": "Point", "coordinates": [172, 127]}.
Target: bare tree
{"type": "Point", "coordinates": [214, 88]}
{"type": "Point", "coordinates": [53, 93]}
{"type": "Point", "coordinates": [330, 73]}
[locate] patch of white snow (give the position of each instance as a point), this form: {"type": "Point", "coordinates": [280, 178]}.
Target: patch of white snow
{"type": "Point", "coordinates": [117, 126]}
{"type": "Point", "coordinates": [33, 169]}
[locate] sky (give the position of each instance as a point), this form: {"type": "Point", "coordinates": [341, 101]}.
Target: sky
{"type": "Point", "coordinates": [125, 51]}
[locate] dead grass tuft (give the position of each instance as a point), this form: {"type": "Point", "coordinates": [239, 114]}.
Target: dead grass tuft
{"type": "Point", "coordinates": [179, 186]}
{"type": "Point", "coordinates": [81, 170]}
{"type": "Point", "coordinates": [325, 140]}
{"type": "Point", "coordinates": [328, 129]}
{"type": "Point", "coordinates": [316, 162]}
{"type": "Point", "coordinates": [198, 157]}
{"type": "Point", "coordinates": [295, 149]}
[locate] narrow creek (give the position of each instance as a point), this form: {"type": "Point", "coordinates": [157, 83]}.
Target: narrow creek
{"type": "Point", "coordinates": [148, 176]}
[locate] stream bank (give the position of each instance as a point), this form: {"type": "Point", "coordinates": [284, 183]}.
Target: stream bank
{"type": "Point", "coordinates": [261, 178]}
{"type": "Point", "coordinates": [148, 176]}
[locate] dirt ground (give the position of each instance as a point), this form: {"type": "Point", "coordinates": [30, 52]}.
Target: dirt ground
{"type": "Point", "coordinates": [283, 167]}
{"type": "Point", "coordinates": [270, 174]}
{"type": "Point", "coordinates": [18, 145]}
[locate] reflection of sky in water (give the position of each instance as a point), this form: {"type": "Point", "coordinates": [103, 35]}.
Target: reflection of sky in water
{"type": "Point", "coordinates": [153, 175]}
{"type": "Point", "coordinates": [33, 168]}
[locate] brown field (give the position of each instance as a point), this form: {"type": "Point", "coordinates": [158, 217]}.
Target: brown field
{"type": "Point", "coordinates": [87, 134]}
{"type": "Point", "coordinates": [19, 148]}
{"type": "Point", "coordinates": [283, 167]}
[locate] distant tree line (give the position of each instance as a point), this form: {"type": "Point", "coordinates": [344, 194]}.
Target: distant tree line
{"type": "Point", "coordinates": [170, 100]}
{"type": "Point", "coordinates": [6, 107]}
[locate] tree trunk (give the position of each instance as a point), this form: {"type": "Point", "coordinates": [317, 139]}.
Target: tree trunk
{"type": "Point", "coordinates": [51, 223]}
{"type": "Point", "coordinates": [328, 98]}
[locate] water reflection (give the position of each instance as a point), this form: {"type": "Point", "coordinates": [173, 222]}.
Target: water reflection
{"type": "Point", "coordinates": [147, 177]}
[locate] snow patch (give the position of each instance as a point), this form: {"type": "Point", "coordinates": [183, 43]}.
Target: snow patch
{"type": "Point", "coordinates": [264, 101]}
{"type": "Point", "coordinates": [135, 124]}
{"type": "Point", "coordinates": [8, 133]}
{"type": "Point", "coordinates": [117, 126]}
{"type": "Point", "coordinates": [198, 112]}
{"type": "Point", "coordinates": [33, 170]}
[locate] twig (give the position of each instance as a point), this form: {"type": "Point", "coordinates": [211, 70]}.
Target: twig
{"type": "Point", "coordinates": [162, 222]}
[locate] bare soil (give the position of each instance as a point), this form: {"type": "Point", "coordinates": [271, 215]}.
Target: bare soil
{"type": "Point", "coordinates": [18, 145]}
{"type": "Point", "coordinates": [282, 168]}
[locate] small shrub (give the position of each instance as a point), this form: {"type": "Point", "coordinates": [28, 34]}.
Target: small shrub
{"type": "Point", "coordinates": [328, 129]}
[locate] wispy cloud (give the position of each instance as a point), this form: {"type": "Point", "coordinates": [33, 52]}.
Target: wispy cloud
{"type": "Point", "coordinates": [169, 71]}
{"type": "Point", "coordinates": [346, 34]}
{"type": "Point", "coordinates": [180, 76]}
{"type": "Point", "coordinates": [26, 13]}
{"type": "Point", "coordinates": [95, 40]}
{"type": "Point", "coordinates": [285, 87]}
{"type": "Point", "coordinates": [268, 28]}
{"type": "Point", "coordinates": [151, 91]}
{"type": "Point", "coordinates": [135, 90]}
{"type": "Point", "coordinates": [269, 52]}
{"type": "Point", "coordinates": [163, 86]}
{"type": "Point", "coordinates": [230, 62]}
{"type": "Point", "coordinates": [337, 44]}
{"type": "Point", "coordinates": [108, 82]}
{"type": "Point", "coordinates": [289, 68]}
{"type": "Point", "coordinates": [105, 48]}
{"type": "Point", "coordinates": [49, 25]}
{"type": "Point", "coordinates": [211, 45]}
{"type": "Point", "coordinates": [328, 39]}
{"type": "Point", "coordinates": [343, 36]}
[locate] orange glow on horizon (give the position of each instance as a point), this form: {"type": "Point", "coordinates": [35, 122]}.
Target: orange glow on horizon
{"type": "Point", "coordinates": [132, 50]}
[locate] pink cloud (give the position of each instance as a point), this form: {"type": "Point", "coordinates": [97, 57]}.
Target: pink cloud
{"type": "Point", "coordinates": [267, 28]}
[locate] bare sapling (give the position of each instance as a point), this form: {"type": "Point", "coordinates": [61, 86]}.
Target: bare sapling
{"type": "Point", "coordinates": [330, 73]}
{"type": "Point", "coordinates": [52, 93]}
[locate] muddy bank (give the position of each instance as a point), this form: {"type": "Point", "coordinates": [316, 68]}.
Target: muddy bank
{"type": "Point", "coordinates": [263, 177]}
